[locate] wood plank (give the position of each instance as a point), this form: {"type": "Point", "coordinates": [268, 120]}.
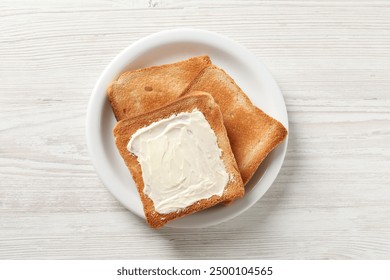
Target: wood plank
{"type": "Point", "coordinates": [331, 198]}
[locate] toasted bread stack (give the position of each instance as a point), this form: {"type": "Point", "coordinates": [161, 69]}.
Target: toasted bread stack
{"type": "Point", "coordinates": [252, 133]}
{"type": "Point", "coordinates": [244, 135]}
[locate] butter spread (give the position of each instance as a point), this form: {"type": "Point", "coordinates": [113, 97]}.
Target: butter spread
{"type": "Point", "coordinates": [180, 161]}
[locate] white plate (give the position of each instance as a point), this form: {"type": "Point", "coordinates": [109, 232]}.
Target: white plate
{"type": "Point", "coordinates": [171, 46]}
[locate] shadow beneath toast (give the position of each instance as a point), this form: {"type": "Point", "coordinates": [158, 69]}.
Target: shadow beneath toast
{"type": "Point", "coordinates": [230, 240]}
{"type": "Point", "coordinates": [239, 238]}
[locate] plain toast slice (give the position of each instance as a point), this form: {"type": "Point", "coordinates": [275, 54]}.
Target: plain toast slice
{"type": "Point", "coordinates": [144, 90]}
{"type": "Point", "coordinates": [252, 133]}
{"type": "Point", "coordinates": [203, 102]}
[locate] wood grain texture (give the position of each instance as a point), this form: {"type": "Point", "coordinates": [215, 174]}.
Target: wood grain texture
{"type": "Point", "coordinates": [331, 199]}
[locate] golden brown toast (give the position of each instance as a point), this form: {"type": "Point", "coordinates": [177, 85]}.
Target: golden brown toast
{"type": "Point", "coordinates": [252, 133]}
{"type": "Point", "coordinates": [144, 90]}
{"type": "Point", "coordinates": [203, 102]}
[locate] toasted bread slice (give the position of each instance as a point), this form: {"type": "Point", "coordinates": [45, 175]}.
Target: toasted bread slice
{"type": "Point", "coordinates": [144, 90]}
{"type": "Point", "coordinates": [203, 102]}
{"type": "Point", "coordinates": [252, 133]}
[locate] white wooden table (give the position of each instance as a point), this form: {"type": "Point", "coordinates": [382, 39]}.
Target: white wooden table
{"type": "Point", "coordinates": [331, 199]}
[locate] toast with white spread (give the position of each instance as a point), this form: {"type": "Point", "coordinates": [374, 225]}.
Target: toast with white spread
{"type": "Point", "coordinates": [180, 158]}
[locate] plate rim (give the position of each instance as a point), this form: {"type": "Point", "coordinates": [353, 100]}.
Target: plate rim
{"type": "Point", "coordinates": [156, 39]}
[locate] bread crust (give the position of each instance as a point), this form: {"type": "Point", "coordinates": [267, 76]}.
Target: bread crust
{"type": "Point", "coordinates": [144, 90]}
{"type": "Point", "coordinates": [124, 129]}
{"type": "Point", "coordinates": [252, 133]}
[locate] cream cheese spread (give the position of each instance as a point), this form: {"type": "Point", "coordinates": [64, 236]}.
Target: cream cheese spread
{"type": "Point", "coordinates": [180, 161]}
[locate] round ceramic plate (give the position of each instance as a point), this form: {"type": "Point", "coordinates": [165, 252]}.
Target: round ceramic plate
{"type": "Point", "coordinates": [172, 46]}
